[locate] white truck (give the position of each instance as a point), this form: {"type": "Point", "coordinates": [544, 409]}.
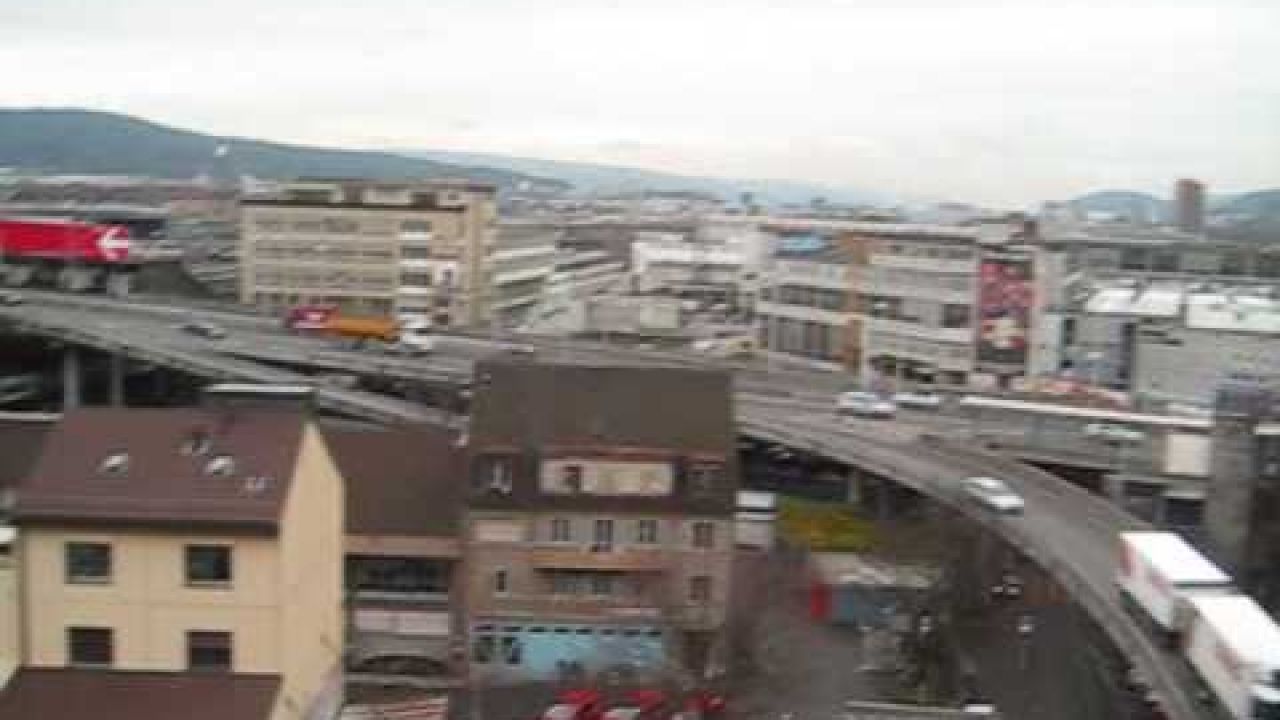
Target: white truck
{"type": "Point", "coordinates": [1159, 572]}
{"type": "Point", "coordinates": [1234, 646]}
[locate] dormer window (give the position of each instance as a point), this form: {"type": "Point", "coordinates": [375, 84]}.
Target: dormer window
{"type": "Point", "coordinates": [197, 444]}
{"type": "Point", "coordinates": [220, 466]}
{"type": "Point", "coordinates": [114, 465]}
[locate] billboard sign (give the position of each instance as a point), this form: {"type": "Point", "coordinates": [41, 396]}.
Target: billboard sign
{"type": "Point", "coordinates": [1005, 295]}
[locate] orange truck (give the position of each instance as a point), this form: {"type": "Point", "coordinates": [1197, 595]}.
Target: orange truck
{"type": "Point", "coordinates": [326, 320]}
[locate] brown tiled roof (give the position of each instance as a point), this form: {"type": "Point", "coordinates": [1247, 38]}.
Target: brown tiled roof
{"type": "Point", "coordinates": [535, 410]}
{"type": "Point", "coordinates": [401, 481]}
{"type": "Point", "coordinates": [20, 443]}
{"type": "Point", "coordinates": [163, 485]}
{"type": "Point", "coordinates": [65, 694]}
{"type": "Point", "coordinates": [660, 408]}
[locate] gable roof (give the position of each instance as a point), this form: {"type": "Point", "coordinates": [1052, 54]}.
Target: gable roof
{"type": "Point", "coordinates": [525, 404]}
{"type": "Point", "coordinates": [68, 694]}
{"type": "Point", "coordinates": [165, 482]}
{"type": "Point", "coordinates": [406, 480]}
{"type": "Point", "coordinates": [21, 438]}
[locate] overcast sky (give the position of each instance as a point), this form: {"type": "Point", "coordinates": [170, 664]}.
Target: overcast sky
{"type": "Point", "coordinates": [1004, 103]}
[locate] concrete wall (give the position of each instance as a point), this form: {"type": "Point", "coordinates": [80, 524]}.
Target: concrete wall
{"type": "Point", "coordinates": [147, 602]}
{"type": "Point", "coordinates": [311, 549]}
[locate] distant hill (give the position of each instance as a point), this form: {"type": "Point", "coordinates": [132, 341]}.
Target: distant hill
{"type": "Point", "coordinates": [91, 142]}
{"type": "Point", "coordinates": [604, 179]}
{"type": "Point", "coordinates": [1259, 203]}
{"type": "Point", "coordinates": [1137, 206]}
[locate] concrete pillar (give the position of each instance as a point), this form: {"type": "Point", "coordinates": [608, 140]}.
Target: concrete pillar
{"type": "Point", "coordinates": [115, 378]}
{"type": "Point", "coordinates": [70, 378]}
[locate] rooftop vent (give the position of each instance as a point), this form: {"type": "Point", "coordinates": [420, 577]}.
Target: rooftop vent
{"type": "Point", "coordinates": [220, 466]}
{"type": "Point", "coordinates": [256, 484]}
{"type": "Point", "coordinates": [115, 464]}
{"type": "Point", "coordinates": [198, 443]}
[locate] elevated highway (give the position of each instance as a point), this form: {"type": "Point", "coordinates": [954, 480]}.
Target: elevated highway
{"type": "Point", "coordinates": [1068, 532]}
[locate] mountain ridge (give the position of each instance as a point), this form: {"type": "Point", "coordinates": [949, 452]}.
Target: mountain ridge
{"type": "Point", "coordinates": [79, 141]}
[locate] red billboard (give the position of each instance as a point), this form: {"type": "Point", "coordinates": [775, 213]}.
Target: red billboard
{"type": "Point", "coordinates": [1005, 296]}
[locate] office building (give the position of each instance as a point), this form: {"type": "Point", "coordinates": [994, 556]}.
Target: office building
{"type": "Point", "coordinates": [410, 249]}
{"type": "Point", "coordinates": [180, 558]}
{"type": "Point", "coordinates": [899, 303]}
{"type": "Point", "coordinates": [599, 529]}
{"type": "Point", "coordinates": [517, 270]}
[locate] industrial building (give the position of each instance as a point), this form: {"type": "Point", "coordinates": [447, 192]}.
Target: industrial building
{"type": "Point", "coordinates": [413, 249]}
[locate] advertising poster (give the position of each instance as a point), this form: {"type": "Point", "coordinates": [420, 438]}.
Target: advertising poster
{"type": "Point", "coordinates": [1005, 295]}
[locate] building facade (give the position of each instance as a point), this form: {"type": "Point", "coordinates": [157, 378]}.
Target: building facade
{"type": "Point", "coordinates": [898, 303]}
{"type": "Point", "coordinates": [598, 536]}
{"type": "Point", "coordinates": [517, 270]}
{"type": "Point", "coordinates": [160, 544]}
{"type": "Point", "coordinates": [408, 249]}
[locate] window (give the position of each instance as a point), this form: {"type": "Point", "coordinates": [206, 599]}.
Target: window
{"type": "Point", "coordinates": [700, 589]}
{"type": "Point", "coordinates": [561, 530]}
{"type": "Point", "coordinates": [511, 649]}
{"type": "Point", "coordinates": [955, 316]}
{"type": "Point", "coordinates": [601, 584]}
{"type": "Point", "coordinates": [647, 531]}
{"type": "Point", "coordinates": [602, 538]}
{"type": "Point", "coordinates": [209, 650]}
{"type": "Point", "coordinates": [501, 582]}
{"type": "Point", "coordinates": [88, 563]}
{"type": "Point", "coordinates": [90, 647]}
{"type": "Point", "coordinates": [704, 534]}
{"type": "Point", "coordinates": [482, 649]}
{"type": "Point", "coordinates": [571, 477]}
{"type": "Point", "coordinates": [564, 583]}
{"type": "Point", "coordinates": [208, 565]}
{"type": "Point", "coordinates": [703, 478]}
{"type": "Point", "coordinates": [415, 226]}
{"type": "Point", "coordinates": [414, 252]}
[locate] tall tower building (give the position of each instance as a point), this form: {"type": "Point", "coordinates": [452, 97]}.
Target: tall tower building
{"type": "Point", "coordinates": [1188, 205]}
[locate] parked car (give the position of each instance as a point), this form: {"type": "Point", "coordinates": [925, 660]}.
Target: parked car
{"type": "Point", "coordinates": [576, 705]}
{"type": "Point", "coordinates": [918, 399]}
{"type": "Point", "coordinates": [11, 299]}
{"type": "Point", "coordinates": [203, 329]}
{"type": "Point", "coordinates": [993, 494]}
{"type": "Point", "coordinates": [865, 404]}
{"type": "Point", "coordinates": [1114, 432]}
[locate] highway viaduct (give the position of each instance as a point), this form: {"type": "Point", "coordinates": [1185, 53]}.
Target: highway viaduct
{"type": "Point", "coordinates": [1065, 530]}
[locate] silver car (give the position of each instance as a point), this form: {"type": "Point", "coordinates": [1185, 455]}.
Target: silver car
{"type": "Point", "coordinates": [865, 404]}
{"type": "Point", "coordinates": [994, 495]}
{"type": "Point", "coordinates": [918, 399]}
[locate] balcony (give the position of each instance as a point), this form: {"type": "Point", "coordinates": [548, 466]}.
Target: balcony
{"type": "Point", "coordinates": [594, 558]}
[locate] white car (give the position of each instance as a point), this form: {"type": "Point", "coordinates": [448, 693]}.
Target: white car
{"type": "Point", "coordinates": [993, 494]}
{"type": "Point", "coordinates": [1112, 432]}
{"type": "Point", "coordinates": [918, 399]}
{"type": "Point", "coordinates": [865, 404]}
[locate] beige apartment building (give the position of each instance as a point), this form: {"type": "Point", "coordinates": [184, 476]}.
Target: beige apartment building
{"type": "Point", "coordinates": [414, 249]}
{"type": "Point", "coordinates": [598, 533]}
{"type": "Point", "coordinates": [185, 553]}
